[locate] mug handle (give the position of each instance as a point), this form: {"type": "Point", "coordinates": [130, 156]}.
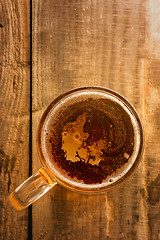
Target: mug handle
{"type": "Point", "coordinates": [31, 189]}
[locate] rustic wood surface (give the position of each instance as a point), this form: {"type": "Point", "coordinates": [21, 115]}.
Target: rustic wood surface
{"type": "Point", "coordinates": [14, 112]}
{"type": "Point", "coordinates": [114, 44]}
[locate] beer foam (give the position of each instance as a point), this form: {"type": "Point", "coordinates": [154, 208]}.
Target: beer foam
{"type": "Point", "coordinates": [74, 143]}
{"type": "Point", "coordinates": [52, 117]}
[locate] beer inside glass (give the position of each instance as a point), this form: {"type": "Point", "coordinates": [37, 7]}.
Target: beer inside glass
{"type": "Point", "coordinates": [89, 140]}
{"type": "Point", "coordinates": [66, 147]}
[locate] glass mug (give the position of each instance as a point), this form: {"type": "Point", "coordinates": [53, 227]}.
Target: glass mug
{"type": "Point", "coordinates": [89, 140]}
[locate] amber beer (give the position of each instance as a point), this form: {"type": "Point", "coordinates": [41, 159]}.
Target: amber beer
{"type": "Point", "coordinates": [89, 138]}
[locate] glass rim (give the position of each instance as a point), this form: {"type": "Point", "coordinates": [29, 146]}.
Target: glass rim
{"type": "Point", "coordinates": [68, 185]}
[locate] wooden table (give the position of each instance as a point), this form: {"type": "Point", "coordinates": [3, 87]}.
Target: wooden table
{"type": "Point", "coordinates": [46, 48]}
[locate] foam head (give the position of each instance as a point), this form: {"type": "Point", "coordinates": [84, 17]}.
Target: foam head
{"type": "Point", "coordinates": [90, 139]}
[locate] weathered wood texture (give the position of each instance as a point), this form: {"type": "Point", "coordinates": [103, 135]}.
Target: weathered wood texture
{"type": "Point", "coordinates": [14, 112]}
{"type": "Point", "coordinates": [113, 44]}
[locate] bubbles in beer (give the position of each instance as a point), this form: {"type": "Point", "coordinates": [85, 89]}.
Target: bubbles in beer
{"type": "Point", "coordinates": [91, 139]}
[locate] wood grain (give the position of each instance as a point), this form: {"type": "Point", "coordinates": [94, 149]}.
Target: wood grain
{"type": "Point", "coordinates": [113, 44]}
{"type": "Point", "coordinates": [152, 118]}
{"type": "Point", "coordinates": [14, 114]}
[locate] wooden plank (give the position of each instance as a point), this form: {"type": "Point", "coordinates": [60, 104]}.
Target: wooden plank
{"type": "Point", "coordinates": [112, 44]}
{"type": "Point", "coordinates": [14, 114]}
{"type": "Point", "coordinates": [152, 117]}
